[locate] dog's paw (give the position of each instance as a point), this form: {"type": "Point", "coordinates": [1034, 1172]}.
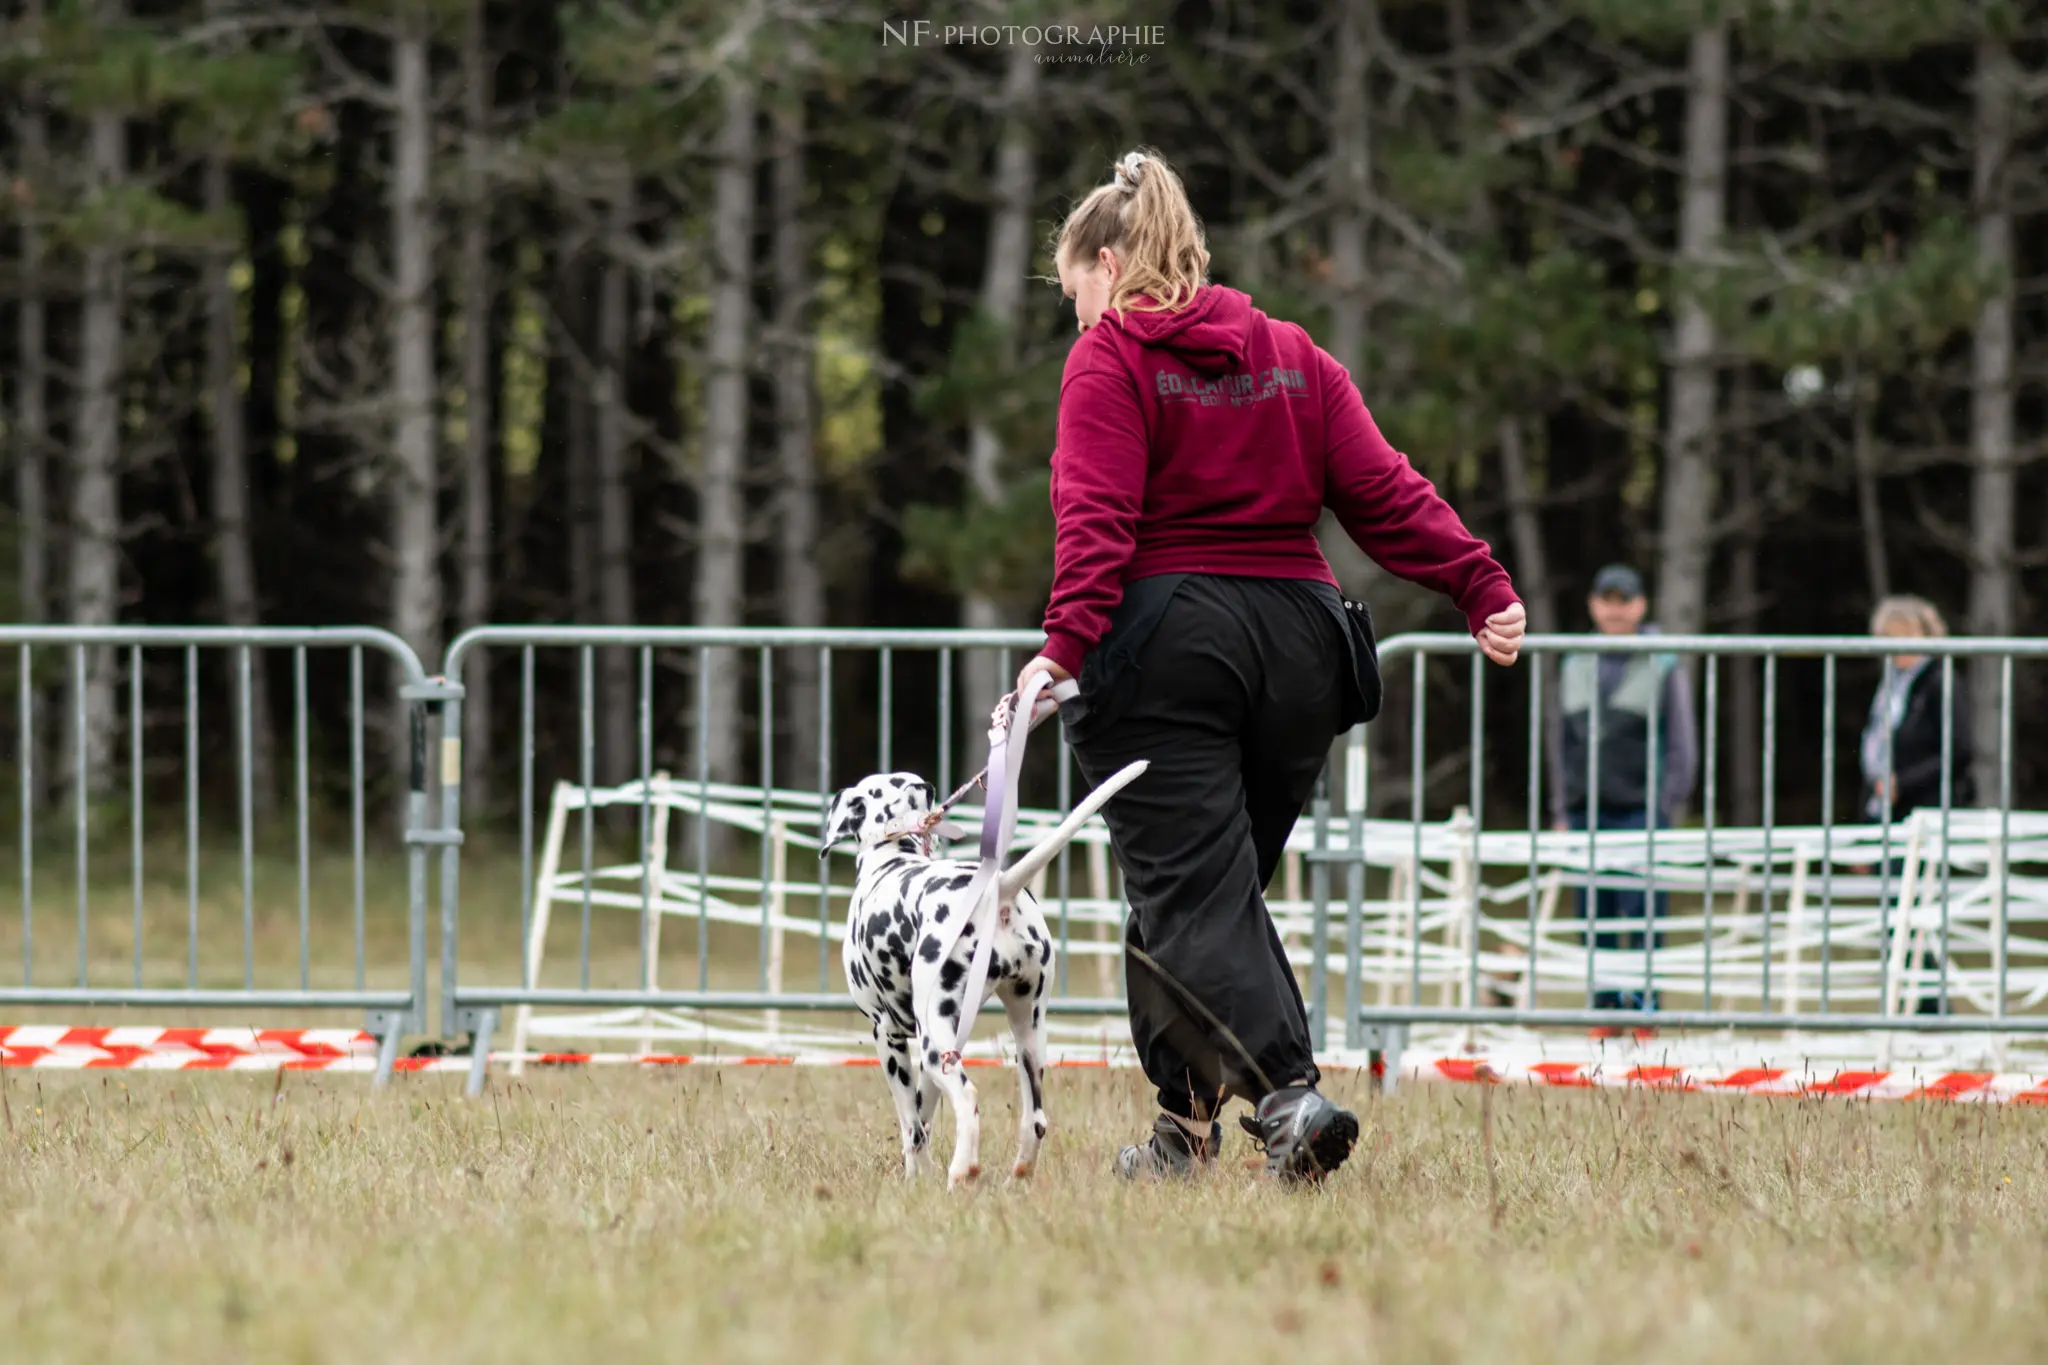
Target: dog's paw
{"type": "Point", "coordinates": [966, 1177]}
{"type": "Point", "coordinates": [1022, 1170]}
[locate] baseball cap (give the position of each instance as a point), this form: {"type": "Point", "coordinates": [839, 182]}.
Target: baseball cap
{"type": "Point", "coordinates": [1618, 580]}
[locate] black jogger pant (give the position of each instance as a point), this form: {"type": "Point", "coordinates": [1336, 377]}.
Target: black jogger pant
{"type": "Point", "coordinates": [1238, 695]}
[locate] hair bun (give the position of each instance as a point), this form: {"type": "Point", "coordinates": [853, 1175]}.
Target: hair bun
{"type": "Point", "coordinates": [1131, 170]}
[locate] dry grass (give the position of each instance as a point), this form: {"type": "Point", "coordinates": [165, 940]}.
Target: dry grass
{"type": "Point", "coordinates": [757, 1215]}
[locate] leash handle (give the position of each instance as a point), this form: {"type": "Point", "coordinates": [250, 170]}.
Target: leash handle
{"type": "Point", "coordinates": [1046, 708]}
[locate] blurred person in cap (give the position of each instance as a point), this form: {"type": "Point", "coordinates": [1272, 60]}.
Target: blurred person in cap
{"type": "Point", "coordinates": [1628, 690]}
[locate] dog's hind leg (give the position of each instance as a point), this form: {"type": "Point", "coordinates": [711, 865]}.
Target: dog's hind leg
{"type": "Point", "coordinates": [897, 1065]}
{"type": "Point", "coordinates": [927, 1096]}
{"type": "Point", "coordinates": [966, 1163]}
{"type": "Point", "coordinates": [1026, 1007]}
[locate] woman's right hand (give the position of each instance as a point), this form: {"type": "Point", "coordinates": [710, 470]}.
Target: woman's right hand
{"type": "Point", "coordinates": [1501, 640]}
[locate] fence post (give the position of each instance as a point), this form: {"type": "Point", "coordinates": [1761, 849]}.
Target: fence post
{"type": "Point", "coordinates": [434, 697]}
{"type": "Point", "coordinates": [1319, 922]}
{"type": "Point", "coordinates": [1354, 892]}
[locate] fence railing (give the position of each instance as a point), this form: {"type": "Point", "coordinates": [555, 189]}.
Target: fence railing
{"type": "Point", "coordinates": [267, 924]}
{"type": "Point", "coordinates": [1766, 926]}
{"type": "Point", "coordinates": [470, 1007]}
{"type": "Point", "coordinates": [1920, 919]}
{"type": "Point", "coordinates": [656, 770]}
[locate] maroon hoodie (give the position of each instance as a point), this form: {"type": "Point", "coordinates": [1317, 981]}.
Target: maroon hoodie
{"type": "Point", "coordinates": [1209, 440]}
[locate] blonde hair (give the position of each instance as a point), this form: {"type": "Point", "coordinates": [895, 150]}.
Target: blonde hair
{"type": "Point", "coordinates": [1143, 215]}
{"type": "Point", "coordinates": [1917, 612]}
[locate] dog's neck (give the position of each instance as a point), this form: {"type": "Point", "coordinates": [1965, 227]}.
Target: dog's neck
{"type": "Point", "coordinates": [912, 844]}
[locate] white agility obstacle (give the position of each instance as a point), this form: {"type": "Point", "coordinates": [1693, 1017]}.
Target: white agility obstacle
{"type": "Point", "coordinates": [1789, 920]}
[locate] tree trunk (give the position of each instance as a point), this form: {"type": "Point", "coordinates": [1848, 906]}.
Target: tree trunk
{"type": "Point", "coordinates": [1991, 399]}
{"type": "Point", "coordinates": [1743, 676]}
{"type": "Point", "coordinates": [721, 532]}
{"type": "Point", "coordinates": [1351, 163]}
{"type": "Point", "coordinates": [580, 460]}
{"type": "Point", "coordinates": [1689, 447]}
{"type": "Point", "coordinates": [801, 584]}
{"type": "Point", "coordinates": [415, 534]}
{"type": "Point", "coordinates": [1351, 149]}
{"type": "Point", "coordinates": [234, 558]}
{"type": "Point", "coordinates": [616, 710]}
{"type": "Point", "coordinates": [31, 421]}
{"type": "Point", "coordinates": [95, 567]}
{"type": "Point", "coordinates": [1863, 451]}
{"type": "Point", "coordinates": [1002, 304]}
{"type": "Point", "coordinates": [1532, 582]}
{"type": "Point", "coordinates": [477, 444]}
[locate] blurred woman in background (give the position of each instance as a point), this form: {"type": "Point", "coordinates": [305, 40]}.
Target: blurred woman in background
{"type": "Point", "coordinates": [1902, 738]}
{"type": "Point", "coordinates": [1902, 746]}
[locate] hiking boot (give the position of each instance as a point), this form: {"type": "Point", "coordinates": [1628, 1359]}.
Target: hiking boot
{"type": "Point", "coordinates": [1305, 1137]}
{"type": "Point", "coordinates": [1172, 1152]}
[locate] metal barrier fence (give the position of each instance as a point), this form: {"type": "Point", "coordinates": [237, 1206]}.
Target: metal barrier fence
{"type": "Point", "coordinates": [472, 1008]}
{"type": "Point", "coordinates": [1920, 923]}
{"type": "Point", "coordinates": [125, 685]}
{"type": "Point", "coordinates": [1720, 967]}
{"type": "Point", "coordinates": [1873, 935]}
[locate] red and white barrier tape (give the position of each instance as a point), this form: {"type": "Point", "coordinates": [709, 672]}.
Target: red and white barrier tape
{"type": "Point", "coordinates": [47, 1047]}
{"type": "Point", "coordinates": [1984, 1087]}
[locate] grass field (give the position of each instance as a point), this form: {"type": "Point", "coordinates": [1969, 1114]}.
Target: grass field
{"type": "Point", "coordinates": [758, 1215]}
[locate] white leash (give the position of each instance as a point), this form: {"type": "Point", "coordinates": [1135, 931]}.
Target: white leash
{"type": "Point", "coordinates": [998, 826]}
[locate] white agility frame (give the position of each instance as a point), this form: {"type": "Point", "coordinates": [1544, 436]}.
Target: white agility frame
{"type": "Point", "coordinates": [1463, 920]}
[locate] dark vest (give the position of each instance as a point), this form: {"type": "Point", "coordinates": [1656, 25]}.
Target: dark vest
{"type": "Point", "coordinates": [1624, 773]}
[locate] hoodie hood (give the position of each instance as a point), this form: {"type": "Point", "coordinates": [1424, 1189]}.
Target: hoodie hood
{"type": "Point", "coordinates": [1210, 336]}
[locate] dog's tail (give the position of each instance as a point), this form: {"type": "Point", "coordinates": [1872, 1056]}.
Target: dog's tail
{"type": "Point", "coordinates": [1017, 877]}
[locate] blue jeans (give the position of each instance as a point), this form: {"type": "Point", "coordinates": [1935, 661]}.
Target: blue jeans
{"type": "Point", "coordinates": [1618, 904]}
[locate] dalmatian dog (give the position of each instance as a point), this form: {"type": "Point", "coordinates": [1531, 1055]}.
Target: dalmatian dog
{"type": "Point", "coordinates": [904, 903]}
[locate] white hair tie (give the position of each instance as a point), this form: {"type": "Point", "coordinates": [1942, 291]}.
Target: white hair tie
{"type": "Point", "coordinates": [1130, 171]}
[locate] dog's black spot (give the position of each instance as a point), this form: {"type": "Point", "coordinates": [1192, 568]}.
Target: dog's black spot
{"type": "Point", "coordinates": [931, 1058]}
{"type": "Point", "coordinates": [940, 917]}
{"type": "Point", "coordinates": [878, 925]}
{"type": "Point", "coordinates": [960, 882]}
{"type": "Point", "coordinates": [1040, 988]}
{"type": "Point", "coordinates": [896, 783]}
{"type": "Point", "coordinates": [948, 1008]}
{"type": "Point", "coordinates": [929, 949]}
{"type": "Point", "coordinates": [950, 974]}
{"type": "Point", "coordinates": [897, 1073]}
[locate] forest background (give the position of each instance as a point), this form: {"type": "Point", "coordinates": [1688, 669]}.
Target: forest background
{"type": "Point", "coordinates": [433, 313]}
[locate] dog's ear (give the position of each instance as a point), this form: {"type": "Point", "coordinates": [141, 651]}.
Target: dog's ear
{"type": "Point", "coordinates": [825, 839]}
{"type": "Point", "coordinates": [931, 794]}
{"type": "Point", "coordinates": [843, 819]}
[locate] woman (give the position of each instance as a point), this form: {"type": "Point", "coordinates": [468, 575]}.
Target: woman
{"type": "Point", "coordinates": [1902, 738]}
{"type": "Point", "coordinates": [1901, 748]}
{"type": "Point", "coordinates": [1199, 442]}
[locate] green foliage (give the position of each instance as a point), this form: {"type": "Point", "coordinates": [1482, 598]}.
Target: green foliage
{"type": "Point", "coordinates": [1001, 551]}
{"type": "Point", "coordinates": [133, 216]}
{"type": "Point", "coordinates": [636, 129]}
{"type": "Point", "coordinates": [1815, 308]}
{"type": "Point", "coordinates": [983, 383]}
{"type": "Point", "coordinates": [1869, 29]}
{"type": "Point", "coordinates": [236, 103]}
{"type": "Point", "coordinates": [1656, 21]}
{"type": "Point", "coordinates": [1522, 336]}
{"type": "Point", "coordinates": [1439, 183]}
